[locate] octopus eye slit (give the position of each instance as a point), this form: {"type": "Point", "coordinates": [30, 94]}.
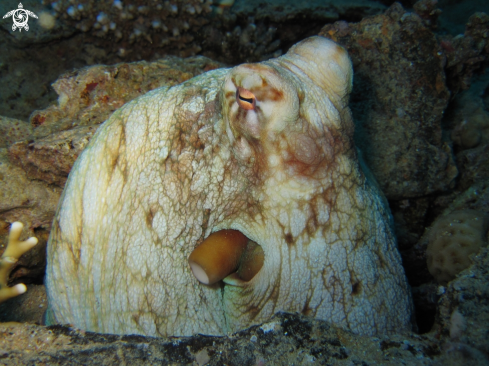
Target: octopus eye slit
{"type": "Point", "coordinates": [245, 98]}
{"type": "Point", "coordinates": [249, 100]}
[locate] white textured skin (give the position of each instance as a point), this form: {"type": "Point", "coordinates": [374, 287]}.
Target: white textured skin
{"type": "Point", "coordinates": [173, 166]}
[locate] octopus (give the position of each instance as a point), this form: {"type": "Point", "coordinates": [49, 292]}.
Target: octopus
{"type": "Point", "coordinates": [209, 206]}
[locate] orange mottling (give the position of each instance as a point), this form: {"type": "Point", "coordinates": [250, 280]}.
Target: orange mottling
{"type": "Point", "coordinates": [366, 43]}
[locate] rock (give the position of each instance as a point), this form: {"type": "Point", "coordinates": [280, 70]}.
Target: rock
{"type": "Point", "coordinates": [398, 101]}
{"type": "Point", "coordinates": [12, 130]}
{"type": "Point", "coordinates": [34, 204]}
{"type": "Point", "coordinates": [466, 55]}
{"type": "Point", "coordinates": [50, 158]}
{"type": "Point", "coordinates": [474, 164]}
{"type": "Point", "coordinates": [26, 308]}
{"type": "Point", "coordinates": [468, 294]}
{"type": "Point", "coordinates": [285, 340]}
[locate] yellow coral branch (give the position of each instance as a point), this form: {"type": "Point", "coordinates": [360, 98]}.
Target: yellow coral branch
{"type": "Point", "coordinates": [15, 248]}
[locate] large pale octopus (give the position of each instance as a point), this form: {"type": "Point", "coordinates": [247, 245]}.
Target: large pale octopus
{"type": "Point", "coordinates": [265, 149]}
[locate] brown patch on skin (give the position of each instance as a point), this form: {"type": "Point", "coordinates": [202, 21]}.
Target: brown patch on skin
{"type": "Point", "coordinates": [329, 195]}
{"type": "Point", "coordinates": [356, 288]}
{"type": "Point", "coordinates": [289, 239]}
{"type": "Point", "coordinates": [135, 318]}
{"type": "Point", "coordinates": [306, 310]}
{"type": "Point", "coordinates": [258, 68]}
{"type": "Point", "coordinates": [150, 215]}
{"type": "Point", "coordinates": [115, 159]}
{"type": "Point", "coordinates": [257, 163]}
{"type": "Point", "coordinates": [210, 67]}
{"type": "Point", "coordinates": [253, 311]}
{"type": "Point", "coordinates": [310, 156]}
{"type": "Point", "coordinates": [230, 95]}
{"type": "Point", "coordinates": [312, 222]}
{"type": "Point", "coordinates": [205, 223]}
{"type": "Point", "coordinates": [268, 93]}
{"type": "Point", "coordinates": [74, 250]}
{"type": "Point", "coordinates": [254, 308]}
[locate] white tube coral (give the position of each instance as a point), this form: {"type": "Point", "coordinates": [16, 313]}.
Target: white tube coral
{"type": "Point", "coordinates": [15, 248]}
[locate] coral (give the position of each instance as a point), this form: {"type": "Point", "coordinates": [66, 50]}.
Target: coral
{"type": "Point", "coordinates": [265, 149]}
{"type": "Point", "coordinates": [15, 248]}
{"type": "Point", "coordinates": [452, 239]}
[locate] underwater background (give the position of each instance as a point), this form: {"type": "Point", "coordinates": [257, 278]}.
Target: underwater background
{"type": "Point", "coordinates": [420, 104]}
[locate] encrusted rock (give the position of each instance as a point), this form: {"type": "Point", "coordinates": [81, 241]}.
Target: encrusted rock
{"type": "Point", "coordinates": [468, 295]}
{"type": "Point", "coordinates": [50, 158]}
{"type": "Point", "coordinates": [33, 203]}
{"type": "Point", "coordinates": [12, 130]}
{"type": "Point", "coordinates": [467, 54]}
{"type": "Point", "coordinates": [398, 101]}
{"type": "Point", "coordinates": [287, 339]}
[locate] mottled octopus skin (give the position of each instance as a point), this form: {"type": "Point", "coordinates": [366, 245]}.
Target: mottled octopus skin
{"type": "Point", "coordinates": [179, 163]}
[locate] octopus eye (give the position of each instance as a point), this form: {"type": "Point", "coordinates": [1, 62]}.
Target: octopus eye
{"type": "Point", "coordinates": [245, 98]}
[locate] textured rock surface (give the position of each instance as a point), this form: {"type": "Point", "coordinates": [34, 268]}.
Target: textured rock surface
{"type": "Point", "coordinates": [468, 123]}
{"type": "Point", "coordinates": [466, 55]}
{"type": "Point", "coordinates": [287, 339]}
{"type": "Point", "coordinates": [401, 94]}
{"type": "Point", "coordinates": [173, 166]}
{"type": "Point", "coordinates": [466, 117]}
{"type": "Point", "coordinates": [26, 308]}
{"type": "Point", "coordinates": [34, 204]}
{"type": "Point", "coordinates": [469, 296]}
{"type": "Point", "coordinates": [185, 28]}
{"type": "Point", "coordinates": [12, 130]}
